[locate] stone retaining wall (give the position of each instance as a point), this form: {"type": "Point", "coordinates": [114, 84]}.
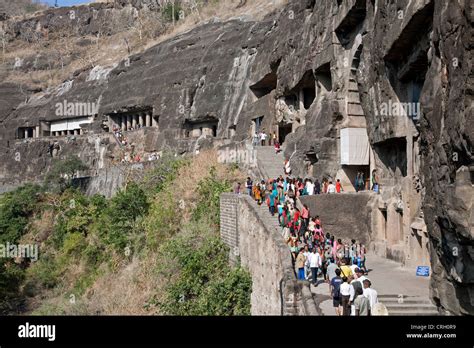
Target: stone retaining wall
{"type": "Point", "coordinates": [345, 215]}
{"type": "Point", "coordinates": [260, 249]}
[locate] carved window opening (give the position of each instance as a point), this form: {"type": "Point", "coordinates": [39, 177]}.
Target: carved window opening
{"type": "Point", "coordinates": [352, 23]}
{"type": "Point", "coordinates": [407, 59]}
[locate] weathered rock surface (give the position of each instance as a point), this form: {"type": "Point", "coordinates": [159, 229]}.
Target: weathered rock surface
{"type": "Point", "coordinates": [310, 70]}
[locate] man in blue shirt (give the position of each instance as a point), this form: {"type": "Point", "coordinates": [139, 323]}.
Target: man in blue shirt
{"type": "Point", "coordinates": [335, 292]}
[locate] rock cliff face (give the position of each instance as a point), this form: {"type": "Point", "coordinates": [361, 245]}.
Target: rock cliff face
{"type": "Point", "coordinates": [306, 73]}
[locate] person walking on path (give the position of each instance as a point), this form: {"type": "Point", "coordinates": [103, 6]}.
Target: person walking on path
{"type": "Point", "coordinates": [249, 186]}
{"type": "Point", "coordinates": [335, 288]}
{"type": "Point", "coordinates": [331, 188]}
{"type": "Point", "coordinates": [272, 201]}
{"type": "Point", "coordinates": [255, 139]}
{"type": "Point", "coordinates": [293, 244]}
{"type": "Point", "coordinates": [375, 181]}
{"type": "Point", "coordinates": [305, 216]}
{"type": "Point", "coordinates": [325, 185]}
{"type": "Point", "coordinates": [370, 293]}
{"type": "Point", "coordinates": [332, 268]}
{"type": "Point", "coordinates": [339, 187]}
{"type": "Point", "coordinates": [263, 138]}
{"type": "Point", "coordinates": [346, 290]}
{"type": "Point", "coordinates": [300, 262]}
{"type": "Point", "coordinates": [361, 182]}
{"type": "Point", "coordinates": [287, 167]}
{"type": "Point", "coordinates": [356, 182]}
{"type": "Point", "coordinates": [361, 303]}
{"type": "Point", "coordinates": [317, 187]}
{"type": "Point", "coordinates": [362, 258]}
{"type": "Point", "coordinates": [345, 269]}
{"type": "Point", "coordinates": [307, 269]}
{"type": "Point", "coordinates": [276, 145]}
{"type": "Point", "coordinates": [314, 263]}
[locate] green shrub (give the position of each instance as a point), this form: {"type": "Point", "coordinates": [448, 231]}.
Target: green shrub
{"type": "Point", "coordinates": [43, 273]}
{"type": "Point", "coordinates": [120, 218]}
{"type": "Point", "coordinates": [73, 245]}
{"type": "Point", "coordinates": [163, 173]}
{"type": "Point", "coordinates": [77, 214]}
{"type": "Point", "coordinates": [62, 173]}
{"type": "Point", "coordinates": [210, 190]}
{"type": "Point", "coordinates": [201, 280]}
{"type": "Point", "coordinates": [128, 204]}
{"type": "Point", "coordinates": [15, 209]}
{"type": "Point", "coordinates": [11, 277]}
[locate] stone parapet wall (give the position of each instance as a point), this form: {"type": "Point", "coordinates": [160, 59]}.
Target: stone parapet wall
{"type": "Point", "coordinates": [260, 249]}
{"type": "Point", "coordinates": [345, 215]}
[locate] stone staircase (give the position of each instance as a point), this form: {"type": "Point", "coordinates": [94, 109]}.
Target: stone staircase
{"type": "Point", "coordinates": [354, 108]}
{"type": "Point", "coordinates": [408, 305]}
{"type": "Point", "coordinates": [270, 164]}
{"type": "Point", "coordinates": [271, 222]}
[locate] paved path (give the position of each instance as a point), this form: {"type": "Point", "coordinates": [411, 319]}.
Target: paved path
{"type": "Point", "coordinates": [388, 278]}
{"type": "Point", "coordinates": [270, 164]}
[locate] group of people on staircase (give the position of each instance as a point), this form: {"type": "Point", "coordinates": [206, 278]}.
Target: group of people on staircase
{"type": "Point", "coordinates": [290, 188]}
{"type": "Point", "coordinates": [341, 264]}
{"type": "Point", "coordinates": [262, 139]}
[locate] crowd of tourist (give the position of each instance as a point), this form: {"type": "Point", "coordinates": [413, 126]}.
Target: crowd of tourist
{"type": "Point", "coordinates": [130, 157]}
{"type": "Point", "coordinates": [317, 255]}
{"type": "Point", "coordinates": [120, 136]}
{"type": "Point", "coordinates": [294, 187]}
{"type": "Point", "coordinates": [262, 139]}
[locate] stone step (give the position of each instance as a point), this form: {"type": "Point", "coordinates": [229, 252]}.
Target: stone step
{"type": "Point", "coordinates": [404, 296]}
{"type": "Point", "coordinates": [353, 97]}
{"type": "Point", "coordinates": [394, 301]}
{"type": "Point", "coordinates": [411, 308]}
{"type": "Point", "coordinates": [355, 109]}
{"type": "Point", "coordinates": [412, 314]}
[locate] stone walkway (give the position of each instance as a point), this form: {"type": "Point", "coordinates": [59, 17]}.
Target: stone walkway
{"type": "Point", "coordinates": [388, 278]}
{"type": "Point", "coordinates": [391, 282]}
{"type": "Point", "coordinates": [269, 163]}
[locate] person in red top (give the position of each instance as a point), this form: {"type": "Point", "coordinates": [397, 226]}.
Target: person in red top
{"type": "Point", "coordinates": [317, 220]}
{"type": "Point", "coordinates": [296, 222]}
{"type": "Point", "coordinates": [339, 186]}
{"type": "Point", "coordinates": [305, 217]}
{"type": "Point", "coordinates": [277, 147]}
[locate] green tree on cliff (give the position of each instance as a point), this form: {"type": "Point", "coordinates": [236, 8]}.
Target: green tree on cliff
{"type": "Point", "coordinates": [63, 172]}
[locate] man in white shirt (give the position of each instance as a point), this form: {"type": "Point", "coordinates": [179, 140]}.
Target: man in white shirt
{"type": "Point", "coordinates": [331, 187]}
{"type": "Point", "coordinates": [314, 263]}
{"type": "Point", "coordinates": [353, 268]}
{"type": "Point", "coordinates": [347, 296]}
{"type": "Point", "coordinates": [370, 293]}
{"type": "Point", "coordinates": [357, 283]}
{"type": "Point", "coordinates": [309, 187]}
{"type": "Point", "coordinates": [307, 270]}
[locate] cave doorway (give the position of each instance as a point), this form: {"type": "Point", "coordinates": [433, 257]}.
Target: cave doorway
{"type": "Point", "coordinates": [308, 96]}
{"type": "Point", "coordinates": [384, 222]}
{"type": "Point", "coordinates": [283, 131]}
{"type": "Point", "coordinates": [26, 132]}
{"type": "Point", "coordinates": [256, 125]}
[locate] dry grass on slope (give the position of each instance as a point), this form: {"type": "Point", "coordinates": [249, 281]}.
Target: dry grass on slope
{"type": "Point", "coordinates": [129, 289]}
{"type": "Point", "coordinates": [147, 31]}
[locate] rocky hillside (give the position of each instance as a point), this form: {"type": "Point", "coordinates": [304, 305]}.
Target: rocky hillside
{"type": "Point", "coordinates": [16, 8]}
{"type": "Point", "coordinates": [306, 71]}
{"type": "Point", "coordinates": [152, 249]}
{"type": "Point", "coordinates": [45, 48]}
